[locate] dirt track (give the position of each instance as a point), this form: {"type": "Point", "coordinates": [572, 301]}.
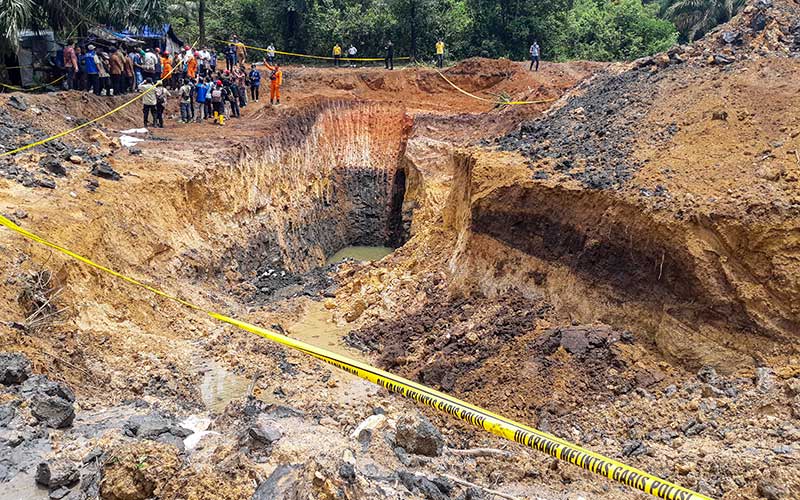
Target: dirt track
{"type": "Point", "coordinates": [615, 306]}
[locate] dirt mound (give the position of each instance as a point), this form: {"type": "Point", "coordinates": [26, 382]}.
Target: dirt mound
{"type": "Point", "coordinates": [139, 470]}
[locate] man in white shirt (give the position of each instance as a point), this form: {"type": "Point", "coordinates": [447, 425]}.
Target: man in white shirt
{"type": "Point", "coordinates": [149, 63]}
{"type": "Point", "coordinates": [535, 51]}
{"type": "Point", "coordinates": [351, 52]}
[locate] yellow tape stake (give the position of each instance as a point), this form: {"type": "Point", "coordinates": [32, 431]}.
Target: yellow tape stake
{"type": "Point", "coordinates": [506, 103]}
{"type": "Point", "coordinates": [31, 89]}
{"type": "Point", "coordinates": [309, 56]}
{"type": "Point", "coordinates": [496, 424]}
{"type": "Point", "coordinates": [93, 120]}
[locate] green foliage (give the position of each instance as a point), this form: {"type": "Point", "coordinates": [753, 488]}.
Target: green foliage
{"type": "Point", "coordinates": [69, 17]}
{"type": "Point", "coordinates": [565, 29]}
{"type": "Point", "coordinates": [694, 18]}
{"type": "Point", "coordinates": [612, 30]}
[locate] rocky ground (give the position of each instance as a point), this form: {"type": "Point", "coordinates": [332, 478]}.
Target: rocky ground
{"type": "Point", "coordinates": [618, 268]}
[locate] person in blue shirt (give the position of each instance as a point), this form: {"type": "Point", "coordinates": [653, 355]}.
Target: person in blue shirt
{"type": "Point", "coordinates": [255, 82]}
{"type": "Point", "coordinates": [230, 55]}
{"type": "Point", "coordinates": [201, 91]}
{"type": "Point", "coordinates": [92, 73]}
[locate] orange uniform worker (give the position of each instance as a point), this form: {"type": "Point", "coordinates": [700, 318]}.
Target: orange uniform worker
{"type": "Point", "coordinates": [166, 69]}
{"type": "Point", "coordinates": [191, 66]}
{"type": "Point", "coordinates": [275, 81]}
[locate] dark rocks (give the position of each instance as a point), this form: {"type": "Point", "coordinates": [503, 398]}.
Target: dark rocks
{"type": "Point", "coordinates": [732, 37]}
{"type": "Point", "coordinates": [758, 22]}
{"type": "Point", "coordinates": [57, 473]}
{"type": "Point", "coordinates": [265, 431]}
{"type": "Point", "coordinates": [402, 456]}
{"type": "Point", "coordinates": [53, 165]}
{"type": "Point", "coordinates": [46, 183]}
{"type": "Point", "coordinates": [157, 427]}
{"type": "Point", "coordinates": [39, 384]}
{"type": "Point", "coordinates": [438, 489]}
{"type": "Point", "coordinates": [15, 368]}
{"type": "Point", "coordinates": [104, 170]}
{"type": "Point", "coordinates": [53, 411]}
{"type": "Point", "coordinates": [59, 493]}
{"type": "Point", "coordinates": [282, 483]}
{"type": "Point", "coordinates": [693, 428]}
{"type": "Point", "coordinates": [347, 472]}
{"type": "Point", "coordinates": [18, 102]}
{"type": "Point", "coordinates": [719, 115]}
{"type": "Point", "coordinates": [633, 448]}
{"type": "Point", "coordinates": [594, 131]}
{"type": "Point", "coordinates": [50, 401]}
{"type": "Point", "coordinates": [418, 435]}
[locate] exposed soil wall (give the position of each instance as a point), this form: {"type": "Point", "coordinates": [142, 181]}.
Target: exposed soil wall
{"type": "Point", "coordinates": [689, 286]}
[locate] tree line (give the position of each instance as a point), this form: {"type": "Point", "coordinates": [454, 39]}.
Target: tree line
{"type": "Point", "coordinates": [565, 29]}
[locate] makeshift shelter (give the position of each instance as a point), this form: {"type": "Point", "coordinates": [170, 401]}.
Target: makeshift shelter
{"type": "Point", "coordinates": [163, 37]}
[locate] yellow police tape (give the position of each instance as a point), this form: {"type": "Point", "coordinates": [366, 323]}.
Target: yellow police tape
{"type": "Point", "coordinates": [505, 103]}
{"type": "Point", "coordinates": [90, 122]}
{"type": "Point", "coordinates": [496, 424]}
{"type": "Point", "coordinates": [31, 89]}
{"type": "Point", "coordinates": [309, 56]}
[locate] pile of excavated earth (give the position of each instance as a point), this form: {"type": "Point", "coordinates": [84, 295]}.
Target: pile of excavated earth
{"type": "Point", "coordinates": [619, 267]}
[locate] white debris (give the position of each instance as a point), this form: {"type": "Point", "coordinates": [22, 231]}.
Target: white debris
{"type": "Point", "coordinates": [128, 141]}
{"type": "Point", "coordinates": [371, 423]}
{"type": "Point", "coordinates": [199, 427]}
{"type": "Point", "coordinates": [134, 131]}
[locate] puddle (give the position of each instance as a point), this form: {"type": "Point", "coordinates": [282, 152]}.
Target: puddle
{"type": "Point", "coordinates": [316, 327]}
{"type": "Point", "coordinates": [360, 253]}
{"type": "Point", "coordinates": [219, 386]}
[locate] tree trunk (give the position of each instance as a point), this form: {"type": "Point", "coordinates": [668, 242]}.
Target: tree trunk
{"type": "Point", "coordinates": [201, 21]}
{"type": "Point", "coordinates": [413, 25]}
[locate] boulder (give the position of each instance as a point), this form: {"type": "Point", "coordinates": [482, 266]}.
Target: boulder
{"type": "Point", "coordinates": [15, 368]}
{"type": "Point", "coordinates": [104, 170]}
{"type": "Point", "coordinates": [265, 431]}
{"type": "Point", "coordinates": [282, 483]}
{"type": "Point", "coordinates": [53, 411]}
{"type": "Point", "coordinates": [57, 473]}
{"type": "Point", "coordinates": [53, 165]}
{"type": "Point", "coordinates": [39, 384]}
{"type": "Point", "coordinates": [18, 102]}
{"type": "Point", "coordinates": [417, 435]}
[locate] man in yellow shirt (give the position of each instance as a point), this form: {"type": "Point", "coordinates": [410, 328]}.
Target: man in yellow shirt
{"type": "Point", "coordinates": [337, 54]}
{"type": "Point", "coordinates": [440, 53]}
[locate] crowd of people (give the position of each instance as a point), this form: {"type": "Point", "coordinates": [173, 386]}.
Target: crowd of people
{"type": "Point", "coordinates": [204, 90]}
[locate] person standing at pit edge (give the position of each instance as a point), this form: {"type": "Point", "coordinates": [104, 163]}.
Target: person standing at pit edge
{"type": "Point", "coordinates": [440, 53]}
{"type": "Point", "coordinates": [92, 73]}
{"type": "Point", "coordinates": [275, 82]}
{"type": "Point", "coordinates": [255, 82]}
{"type": "Point", "coordinates": [337, 55]}
{"type": "Point", "coordinates": [535, 51]}
{"type": "Point", "coordinates": [271, 53]}
{"type": "Point", "coordinates": [389, 62]}
{"type": "Point", "coordinates": [351, 53]}
{"type": "Point", "coordinates": [70, 65]}
{"type": "Point", "coordinates": [148, 100]}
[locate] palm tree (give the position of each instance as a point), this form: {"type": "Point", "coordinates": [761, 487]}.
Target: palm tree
{"type": "Point", "coordinates": [694, 18]}
{"type": "Point", "coordinates": [71, 16]}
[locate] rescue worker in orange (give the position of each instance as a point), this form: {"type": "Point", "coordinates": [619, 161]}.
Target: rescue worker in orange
{"type": "Point", "coordinates": [166, 70]}
{"type": "Point", "coordinates": [275, 81]}
{"type": "Point", "coordinates": [191, 66]}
